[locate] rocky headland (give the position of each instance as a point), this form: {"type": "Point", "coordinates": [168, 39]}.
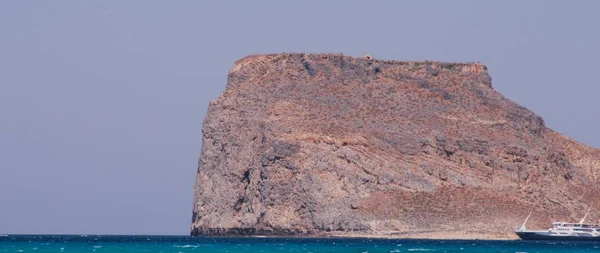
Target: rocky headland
{"type": "Point", "coordinates": [332, 145]}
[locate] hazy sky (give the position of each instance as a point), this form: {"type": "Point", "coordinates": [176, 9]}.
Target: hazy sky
{"type": "Point", "coordinates": [102, 102]}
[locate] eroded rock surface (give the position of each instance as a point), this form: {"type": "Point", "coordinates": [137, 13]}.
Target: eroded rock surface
{"type": "Point", "coordinates": [326, 144]}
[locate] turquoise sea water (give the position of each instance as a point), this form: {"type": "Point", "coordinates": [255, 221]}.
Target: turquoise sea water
{"type": "Point", "coordinates": [99, 244]}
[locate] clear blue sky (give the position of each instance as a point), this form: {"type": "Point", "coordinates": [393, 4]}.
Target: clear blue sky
{"type": "Point", "coordinates": [102, 102]}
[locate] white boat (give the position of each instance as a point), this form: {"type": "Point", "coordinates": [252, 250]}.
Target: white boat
{"type": "Point", "coordinates": [562, 231]}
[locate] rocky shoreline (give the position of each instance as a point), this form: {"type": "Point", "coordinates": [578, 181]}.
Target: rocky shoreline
{"type": "Point", "coordinates": [459, 235]}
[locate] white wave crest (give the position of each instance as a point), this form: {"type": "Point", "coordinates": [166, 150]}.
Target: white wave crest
{"type": "Point", "coordinates": [186, 246]}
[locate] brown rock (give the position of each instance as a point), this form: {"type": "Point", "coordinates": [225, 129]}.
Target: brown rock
{"type": "Point", "coordinates": [326, 144]}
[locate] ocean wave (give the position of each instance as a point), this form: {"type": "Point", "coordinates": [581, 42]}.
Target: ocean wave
{"type": "Point", "coordinates": [186, 246]}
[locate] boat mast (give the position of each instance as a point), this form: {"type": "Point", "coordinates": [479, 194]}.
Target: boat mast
{"type": "Point", "coordinates": [586, 214]}
{"type": "Point", "coordinates": [523, 228]}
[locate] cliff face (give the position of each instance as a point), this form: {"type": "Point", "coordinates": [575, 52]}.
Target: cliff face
{"type": "Point", "coordinates": [328, 144]}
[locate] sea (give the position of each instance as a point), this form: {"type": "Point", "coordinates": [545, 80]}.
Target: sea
{"type": "Point", "coordinates": [180, 244]}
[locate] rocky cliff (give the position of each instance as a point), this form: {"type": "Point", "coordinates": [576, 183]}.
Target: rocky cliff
{"type": "Point", "coordinates": [326, 144]}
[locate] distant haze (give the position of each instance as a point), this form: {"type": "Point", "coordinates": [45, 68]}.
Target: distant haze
{"type": "Point", "coordinates": [102, 102]}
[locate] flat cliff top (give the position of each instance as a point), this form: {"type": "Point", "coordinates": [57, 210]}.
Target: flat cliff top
{"type": "Point", "coordinates": [329, 65]}
{"type": "Point", "coordinates": [327, 144]}
{"type": "Point", "coordinates": [332, 56]}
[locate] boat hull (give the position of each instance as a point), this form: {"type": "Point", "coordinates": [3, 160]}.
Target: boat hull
{"type": "Point", "coordinates": [547, 236]}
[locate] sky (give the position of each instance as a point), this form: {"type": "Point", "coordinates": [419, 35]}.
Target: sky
{"type": "Point", "coordinates": [102, 102]}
